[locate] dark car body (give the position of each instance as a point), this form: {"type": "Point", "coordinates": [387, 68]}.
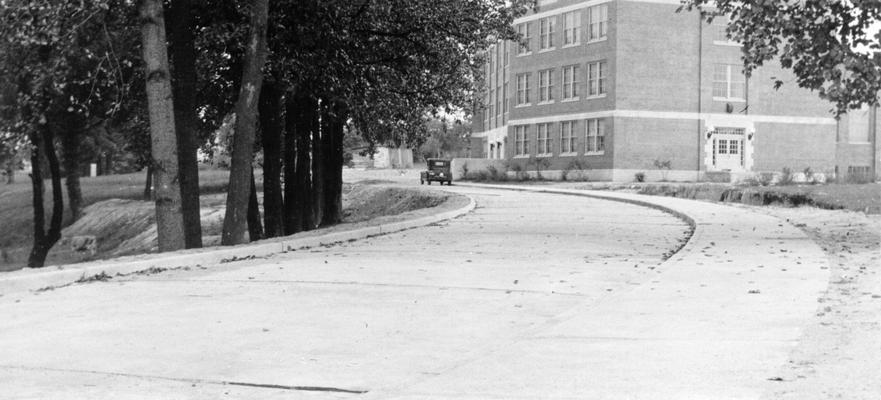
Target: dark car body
{"type": "Point", "coordinates": [438, 171]}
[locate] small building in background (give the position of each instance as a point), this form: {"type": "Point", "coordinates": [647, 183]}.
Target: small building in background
{"type": "Point", "coordinates": [384, 158]}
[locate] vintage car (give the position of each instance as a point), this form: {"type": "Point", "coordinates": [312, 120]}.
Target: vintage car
{"type": "Point", "coordinates": [438, 171]}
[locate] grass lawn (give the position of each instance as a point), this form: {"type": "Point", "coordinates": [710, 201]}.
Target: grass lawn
{"type": "Point", "coordinates": [16, 202]}
{"type": "Point", "coordinates": [856, 197]}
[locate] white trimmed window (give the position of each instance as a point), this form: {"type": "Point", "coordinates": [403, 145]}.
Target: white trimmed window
{"type": "Point", "coordinates": [543, 139]}
{"type": "Point", "coordinates": [523, 30]}
{"type": "Point", "coordinates": [521, 147]}
{"type": "Point", "coordinates": [570, 82]}
{"type": "Point", "coordinates": [720, 34]}
{"type": "Point", "coordinates": [596, 137]}
{"type": "Point", "coordinates": [522, 89]}
{"type": "Point", "coordinates": [596, 79]}
{"type": "Point", "coordinates": [546, 33]}
{"type": "Point", "coordinates": [729, 83]}
{"type": "Point", "coordinates": [571, 28]}
{"type": "Point", "coordinates": [498, 102]}
{"type": "Point", "coordinates": [567, 137]}
{"type": "Point", "coordinates": [505, 101]}
{"type": "Point", "coordinates": [598, 26]}
{"type": "Point", "coordinates": [546, 86]}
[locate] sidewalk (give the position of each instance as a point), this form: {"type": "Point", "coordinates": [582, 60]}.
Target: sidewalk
{"type": "Point", "coordinates": [717, 323]}
{"type": "Point", "coordinates": [53, 276]}
{"type": "Point", "coordinates": [530, 296]}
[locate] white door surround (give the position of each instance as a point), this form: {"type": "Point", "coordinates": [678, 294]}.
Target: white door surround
{"type": "Point", "coordinates": [729, 145]}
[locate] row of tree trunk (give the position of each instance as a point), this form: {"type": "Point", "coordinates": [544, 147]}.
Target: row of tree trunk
{"type": "Point", "coordinates": [302, 139]}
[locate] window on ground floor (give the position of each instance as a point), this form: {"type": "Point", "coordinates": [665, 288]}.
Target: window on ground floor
{"type": "Point", "coordinates": [543, 140]}
{"type": "Point", "coordinates": [567, 137]}
{"type": "Point", "coordinates": [521, 146]}
{"type": "Point", "coordinates": [596, 136]}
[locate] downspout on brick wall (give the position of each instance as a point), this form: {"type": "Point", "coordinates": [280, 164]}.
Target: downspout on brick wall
{"type": "Point", "coordinates": [700, 134]}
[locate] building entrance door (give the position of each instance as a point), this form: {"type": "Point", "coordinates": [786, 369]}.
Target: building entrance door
{"type": "Point", "coordinates": [728, 149]}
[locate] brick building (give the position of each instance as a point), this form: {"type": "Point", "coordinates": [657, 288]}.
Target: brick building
{"type": "Point", "coordinates": [622, 86]}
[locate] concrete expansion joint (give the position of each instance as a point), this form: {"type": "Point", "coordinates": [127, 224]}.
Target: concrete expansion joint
{"type": "Point", "coordinates": [55, 277]}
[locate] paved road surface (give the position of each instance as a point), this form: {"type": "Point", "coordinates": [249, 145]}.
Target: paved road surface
{"type": "Point", "coordinates": [530, 296]}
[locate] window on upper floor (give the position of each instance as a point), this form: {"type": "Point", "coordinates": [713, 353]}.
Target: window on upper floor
{"type": "Point", "coordinates": [596, 79]}
{"type": "Point", "coordinates": [595, 142]}
{"type": "Point", "coordinates": [543, 139]}
{"type": "Point", "coordinates": [546, 86]}
{"type": "Point", "coordinates": [546, 32]}
{"type": "Point", "coordinates": [598, 25]}
{"type": "Point", "coordinates": [720, 31]}
{"type": "Point", "coordinates": [729, 83]}
{"type": "Point", "coordinates": [498, 102]}
{"type": "Point", "coordinates": [571, 28]}
{"type": "Point", "coordinates": [567, 137]}
{"type": "Point", "coordinates": [521, 145]}
{"type": "Point", "coordinates": [523, 31]}
{"type": "Point", "coordinates": [522, 89]}
{"type": "Point", "coordinates": [570, 82]}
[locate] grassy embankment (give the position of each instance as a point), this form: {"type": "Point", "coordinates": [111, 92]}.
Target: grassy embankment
{"type": "Point", "coordinates": [16, 205]}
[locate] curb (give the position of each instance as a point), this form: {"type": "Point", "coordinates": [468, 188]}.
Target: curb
{"type": "Point", "coordinates": [27, 280]}
{"type": "Point", "coordinates": [696, 230]}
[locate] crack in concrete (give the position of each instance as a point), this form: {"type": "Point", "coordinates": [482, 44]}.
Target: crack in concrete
{"type": "Point", "coordinates": [192, 380]}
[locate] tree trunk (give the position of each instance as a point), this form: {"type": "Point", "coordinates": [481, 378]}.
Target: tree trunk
{"type": "Point", "coordinates": [235, 222]}
{"type": "Point", "coordinates": [38, 189]}
{"type": "Point", "coordinates": [183, 62]}
{"type": "Point", "coordinates": [271, 125]}
{"type": "Point", "coordinates": [70, 146]}
{"type": "Point", "coordinates": [319, 125]}
{"type": "Point", "coordinates": [148, 184]}
{"type": "Point", "coordinates": [290, 214]}
{"type": "Point", "coordinates": [44, 240]}
{"type": "Point", "coordinates": [10, 175]}
{"type": "Point", "coordinates": [333, 156]}
{"type": "Point", "coordinates": [300, 110]}
{"type": "Point", "coordinates": [169, 218]}
{"type": "Point", "coordinates": [255, 228]}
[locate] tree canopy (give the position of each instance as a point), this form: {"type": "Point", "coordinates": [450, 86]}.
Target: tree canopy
{"type": "Point", "coordinates": [818, 40]}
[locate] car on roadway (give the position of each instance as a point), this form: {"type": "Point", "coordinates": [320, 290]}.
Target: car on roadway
{"type": "Point", "coordinates": [438, 171]}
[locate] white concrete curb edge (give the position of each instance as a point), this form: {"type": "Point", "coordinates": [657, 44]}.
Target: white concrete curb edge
{"type": "Point", "coordinates": [23, 280]}
{"type": "Point", "coordinates": [640, 200]}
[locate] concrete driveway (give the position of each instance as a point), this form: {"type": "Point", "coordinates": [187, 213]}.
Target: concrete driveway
{"type": "Point", "coordinates": [533, 295]}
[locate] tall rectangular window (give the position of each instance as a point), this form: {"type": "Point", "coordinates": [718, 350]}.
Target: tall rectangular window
{"type": "Point", "coordinates": [571, 28]}
{"type": "Point", "coordinates": [498, 102]}
{"type": "Point", "coordinates": [523, 30]}
{"type": "Point", "coordinates": [720, 31]}
{"type": "Point", "coordinates": [729, 83]}
{"type": "Point", "coordinates": [596, 137]}
{"type": "Point", "coordinates": [543, 139]}
{"type": "Point", "coordinates": [598, 26]}
{"type": "Point", "coordinates": [596, 78]}
{"type": "Point", "coordinates": [521, 147]}
{"type": "Point", "coordinates": [567, 137]}
{"type": "Point", "coordinates": [546, 86]}
{"type": "Point", "coordinates": [522, 89]}
{"type": "Point", "coordinates": [546, 32]}
{"type": "Point", "coordinates": [570, 82]}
